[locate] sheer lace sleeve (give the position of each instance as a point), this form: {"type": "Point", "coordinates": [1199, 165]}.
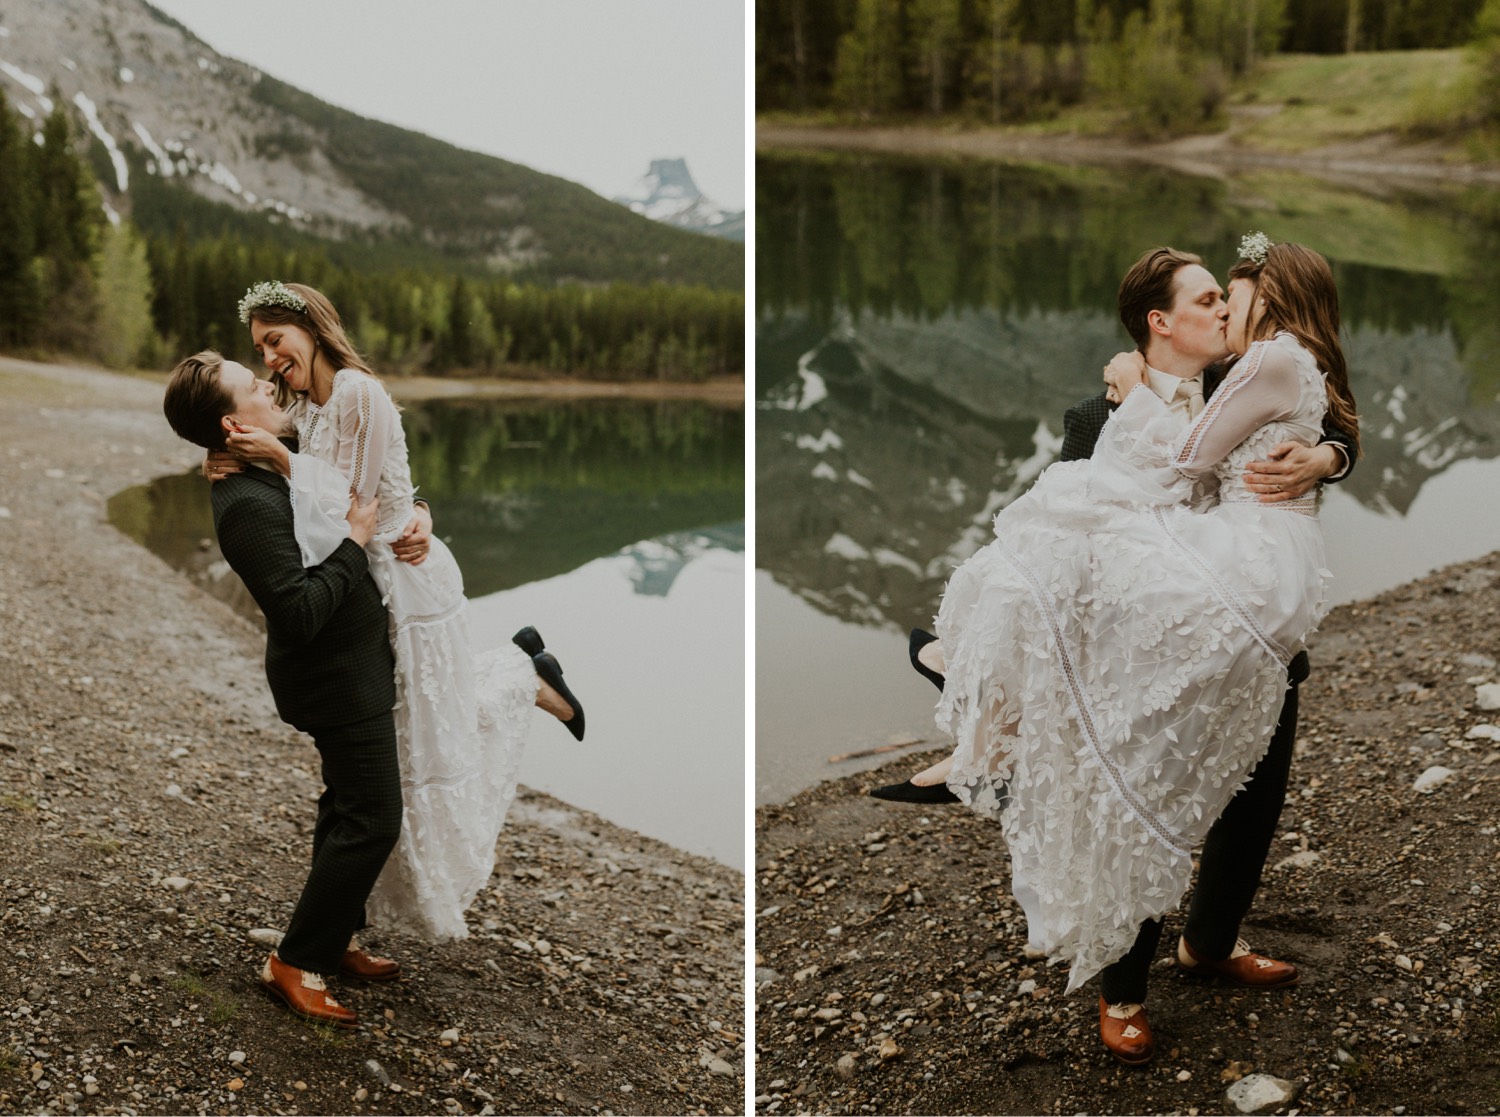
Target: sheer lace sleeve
{"type": "Point", "coordinates": [1261, 389]}
{"type": "Point", "coordinates": [320, 505]}
{"type": "Point", "coordinates": [364, 422]}
{"type": "Point", "coordinates": [1132, 462]}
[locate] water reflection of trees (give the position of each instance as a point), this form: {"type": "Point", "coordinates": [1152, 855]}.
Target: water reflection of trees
{"type": "Point", "coordinates": [520, 491]}
{"type": "Point", "coordinates": [951, 312]}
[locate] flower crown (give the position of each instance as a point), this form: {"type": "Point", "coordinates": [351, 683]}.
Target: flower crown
{"type": "Point", "coordinates": [1253, 247]}
{"type": "Point", "coordinates": [272, 292]}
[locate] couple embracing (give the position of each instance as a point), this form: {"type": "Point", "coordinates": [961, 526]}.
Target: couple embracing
{"type": "Point", "coordinates": [1119, 666]}
{"type": "Point", "coordinates": [367, 644]}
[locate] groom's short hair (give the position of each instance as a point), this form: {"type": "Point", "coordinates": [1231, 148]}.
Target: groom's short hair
{"type": "Point", "coordinates": [196, 402]}
{"type": "Point", "coordinates": [1150, 284]}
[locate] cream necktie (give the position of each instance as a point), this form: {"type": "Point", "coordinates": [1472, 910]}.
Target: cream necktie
{"type": "Point", "coordinates": [1191, 390]}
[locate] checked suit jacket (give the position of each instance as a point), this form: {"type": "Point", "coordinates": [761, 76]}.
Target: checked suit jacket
{"type": "Point", "coordinates": [328, 653]}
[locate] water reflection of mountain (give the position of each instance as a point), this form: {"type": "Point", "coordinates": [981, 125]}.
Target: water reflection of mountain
{"type": "Point", "coordinates": [659, 561]}
{"type": "Point", "coordinates": [887, 444]}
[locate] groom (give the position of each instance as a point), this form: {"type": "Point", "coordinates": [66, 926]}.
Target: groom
{"type": "Point", "coordinates": [1174, 310]}
{"type": "Point", "coordinates": [331, 672]}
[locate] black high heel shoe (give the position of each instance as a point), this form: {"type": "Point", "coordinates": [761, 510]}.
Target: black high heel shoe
{"type": "Point", "coordinates": [551, 672]}
{"type": "Point", "coordinates": [909, 792]}
{"type": "Point", "coordinates": [529, 640]}
{"type": "Point", "coordinates": [920, 638]}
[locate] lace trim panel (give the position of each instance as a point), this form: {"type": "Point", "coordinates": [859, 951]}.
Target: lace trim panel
{"type": "Point", "coordinates": [1227, 391]}
{"type": "Point", "coordinates": [1163, 833]}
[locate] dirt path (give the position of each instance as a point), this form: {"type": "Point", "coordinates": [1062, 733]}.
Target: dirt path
{"type": "Point", "coordinates": [154, 812]}
{"type": "Point", "coordinates": [890, 970]}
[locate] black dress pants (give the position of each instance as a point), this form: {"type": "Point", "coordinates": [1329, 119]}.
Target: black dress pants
{"type": "Point", "coordinates": [359, 820]}
{"type": "Point", "coordinates": [1229, 871]}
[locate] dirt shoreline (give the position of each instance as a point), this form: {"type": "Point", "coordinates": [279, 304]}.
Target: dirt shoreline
{"type": "Point", "coordinates": [154, 812]}
{"type": "Point", "coordinates": [891, 975]}
{"type": "Point", "coordinates": [1379, 157]}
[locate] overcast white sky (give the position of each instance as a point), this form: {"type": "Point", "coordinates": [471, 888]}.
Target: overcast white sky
{"type": "Point", "coordinates": [591, 90]}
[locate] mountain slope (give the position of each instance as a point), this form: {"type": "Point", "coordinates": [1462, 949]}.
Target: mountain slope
{"type": "Point", "coordinates": [162, 105]}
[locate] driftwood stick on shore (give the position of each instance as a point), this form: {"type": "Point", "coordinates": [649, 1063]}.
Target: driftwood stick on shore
{"type": "Point", "coordinates": [876, 750]}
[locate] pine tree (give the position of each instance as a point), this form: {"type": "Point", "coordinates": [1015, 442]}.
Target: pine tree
{"type": "Point", "coordinates": [125, 335]}
{"type": "Point", "coordinates": [20, 298]}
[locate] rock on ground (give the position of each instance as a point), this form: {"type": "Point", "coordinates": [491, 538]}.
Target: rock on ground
{"type": "Point", "coordinates": [135, 923]}
{"type": "Point", "coordinates": [1386, 898]}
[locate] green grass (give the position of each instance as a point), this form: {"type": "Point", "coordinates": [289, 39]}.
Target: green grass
{"type": "Point", "coordinates": [1288, 104]}
{"type": "Point", "coordinates": [23, 804]}
{"type": "Point", "coordinates": [221, 1007]}
{"type": "Point", "coordinates": [1322, 99]}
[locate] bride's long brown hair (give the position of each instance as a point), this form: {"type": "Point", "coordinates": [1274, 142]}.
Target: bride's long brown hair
{"type": "Point", "coordinates": [1301, 298]}
{"type": "Point", "coordinates": [323, 322]}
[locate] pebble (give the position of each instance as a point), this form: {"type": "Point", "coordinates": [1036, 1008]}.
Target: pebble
{"type": "Point", "coordinates": [176, 884]}
{"type": "Point", "coordinates": [889, 1048]}
{"type": "Point", "coordinates": [265, 936]}
{"type": "Point", "coordinates": [378, 1071]}
{"type": "Point", "coordinates": [236, 1057]}
{"type": "Point", "coordinates": [235, 1085]}
{"type": "Point", "coordinates": [449, 1037]}
{"type": "Point", "coordinates": [845, 1067]}
{"type": "Point", "coordinates": [1484, 732]}
{"type": "Point", "coordinates": [720, 1067]}
{"type": "Point", "coordinates": [1487, 696]}
{"type": "Point", "coordinates": [1184, 1075]}
{"type": "Point", "coordinates": [1257, 1092]}
{"type": "Point", "coordinates": [1432, 778]}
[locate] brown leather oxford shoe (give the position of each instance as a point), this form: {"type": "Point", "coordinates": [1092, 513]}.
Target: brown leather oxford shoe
{"type": "Point", "coordinates": [1126, 1032]}
{"type": "Point", "coordinates": [367, 967]}
{"type": "Point", "coordinates": [305, 994]}
{"type": "Point", "coordinates": [1243, 967]}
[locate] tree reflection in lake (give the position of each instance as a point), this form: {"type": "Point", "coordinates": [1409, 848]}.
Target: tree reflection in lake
{"type": "Point", "coordinates": [520, 491]}
{"type": "Point", "coordinates": [922, 326]}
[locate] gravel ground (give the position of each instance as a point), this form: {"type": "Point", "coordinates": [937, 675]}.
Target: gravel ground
{"type": "Point", "coordinates": [890, 967]}
{"type": "Point", "coordinates": [154, 814]}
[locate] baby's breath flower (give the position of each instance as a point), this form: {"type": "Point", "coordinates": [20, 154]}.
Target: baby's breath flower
{"type": "Point", "coordinates": [272, 292]}
{"type": "Point", "coordinates": [1254, 246]}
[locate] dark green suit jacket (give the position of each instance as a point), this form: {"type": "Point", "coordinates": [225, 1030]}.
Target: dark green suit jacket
{"type": "Point", "coordinates": [328, 652]}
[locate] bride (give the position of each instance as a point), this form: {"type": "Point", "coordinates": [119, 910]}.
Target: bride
{"type": "Point", "coordinates": [1115, 660]}
{"type": "Point", "coordinates": [461, 718]}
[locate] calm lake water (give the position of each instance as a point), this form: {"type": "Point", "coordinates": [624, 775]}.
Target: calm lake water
{"type": "Point", "coordinates": [923, 325]}
{"type": "Point", "coordinates": [617, 528]}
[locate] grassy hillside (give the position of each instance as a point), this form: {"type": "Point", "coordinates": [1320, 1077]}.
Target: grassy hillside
{"type": "Point", "coordinates": [1289, 104]}
{"type": "Point", "coordinates": [1321, 99]}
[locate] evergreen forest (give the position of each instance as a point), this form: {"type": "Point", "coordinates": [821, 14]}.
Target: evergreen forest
{"type": "Point", "coordinates": [1168, 62]}
{"type": "Point", "coordinates": [145, 289]}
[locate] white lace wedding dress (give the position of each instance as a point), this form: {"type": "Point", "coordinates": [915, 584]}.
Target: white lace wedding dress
{"type": "Point", "coordinates": [461, 718]}
{"type": "Point", "coordinates": [1117, 656]}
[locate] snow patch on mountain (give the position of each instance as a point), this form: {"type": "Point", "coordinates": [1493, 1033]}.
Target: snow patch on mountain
{"type": "Point", "coordinates": [667, 193]}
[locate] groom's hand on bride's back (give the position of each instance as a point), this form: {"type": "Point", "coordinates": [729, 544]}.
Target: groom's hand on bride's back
{"type": "Point", "coordinates": [362, 518]}
{"type": "Point", "coordinates": [415, 541]}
